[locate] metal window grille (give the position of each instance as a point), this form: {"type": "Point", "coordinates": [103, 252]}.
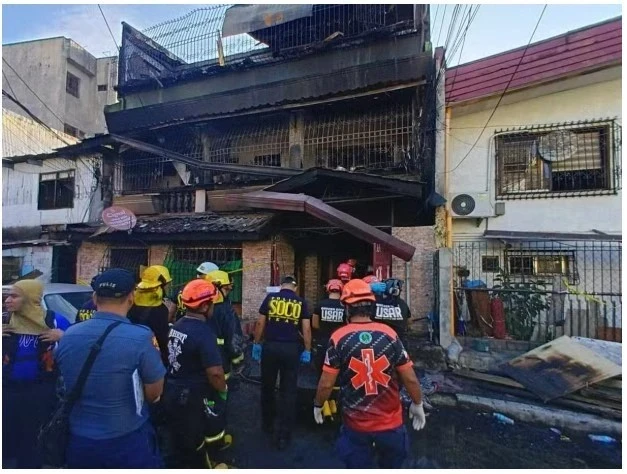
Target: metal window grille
{"type": "Point", "coordinates": [182, 263]}
{"type": "Point", "coordinates": [579, 281]}
{"type": "Point", "coordinates": [11, 269]}
{"type": "Point", "coordinates": [375, 139]}
{"type": "Point", "coordinates": [196, 38]}
{"type": "Point", "coordinates": [132, 259]}
{"type": "Point", "coordinates": [56, 190]}
{"type": "Point", "coordinates": [568, 159]}
{"type": "Point", "coordinates": [72, 85]}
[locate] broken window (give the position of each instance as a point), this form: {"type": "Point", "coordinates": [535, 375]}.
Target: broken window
{"type": "Point", "coordinates": [73, 131]}
{"type": "Point", "coordinates": [378, 138]}
{"type": "Point", "coordinates": [56, 190]}
{"type": "Point", "coordinates": [11, 269]}
{"type": "Point", "coordinates": [72, 85]}
{"type": "Point", "coordinates": [267, 160]}
{"type": "Point", "coordinates": [133, 259]}
{"type": "Point", "coordinates": [579, 158]}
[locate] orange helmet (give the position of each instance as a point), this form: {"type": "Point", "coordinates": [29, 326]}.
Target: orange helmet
{"type": "Point", "coordinates": [198, 292]}
{"type": "Point", "coordinates": [357, 291]}
{"type": "Point", "coordinates": [371, 279]}
{"type": "Point", "coordinates": [334, 285]}
{"type": "Point", "coordinates": [344, 271]}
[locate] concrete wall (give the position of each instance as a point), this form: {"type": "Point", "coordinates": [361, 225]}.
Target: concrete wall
{"type": "Point", "coordinates": [594, 97]}
{"type": "Point", "coordinates": [420, 270]}
{"type": "Point", "coordinates": [20, 192]}
{"type": "Point", "coordinates": [33, 258]}
{"type": "Point", "coordinates": [43, 65]}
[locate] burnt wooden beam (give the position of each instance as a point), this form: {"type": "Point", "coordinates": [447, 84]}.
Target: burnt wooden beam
{"type": "Point", "coordinates": [226, 168]}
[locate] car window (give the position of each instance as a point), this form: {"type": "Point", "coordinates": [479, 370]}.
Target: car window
{"type": "Point", "coordinates": [67, 304]}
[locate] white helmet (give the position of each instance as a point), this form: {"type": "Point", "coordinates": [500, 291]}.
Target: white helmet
{"type": "Point", "coordinates": [206, 268]}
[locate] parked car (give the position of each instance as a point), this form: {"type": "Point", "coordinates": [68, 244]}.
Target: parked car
{"type": "Point", "coordinates": [62, 298]}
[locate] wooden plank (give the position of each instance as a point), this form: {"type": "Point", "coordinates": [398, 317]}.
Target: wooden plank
{"type": "Point", "coordinates": [603, 394]}
{"type": "Point", "coordinates": [612, 383]}
{"type": "Point", "coordinates": [560, 367]}
{"type": "Point", "coordinates": [487, 378]}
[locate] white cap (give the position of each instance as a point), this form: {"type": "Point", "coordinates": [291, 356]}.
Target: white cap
{"type": "Point", "coordinates": [206, 268]}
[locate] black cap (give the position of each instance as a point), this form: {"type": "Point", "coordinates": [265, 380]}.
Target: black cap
{"type": "Point", "coordinates": [114, 283]}
{"type": "Point", "coordinates": [289, 280]}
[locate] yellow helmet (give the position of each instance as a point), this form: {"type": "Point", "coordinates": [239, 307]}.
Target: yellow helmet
{"type": "Point", "coordinates": [164, 272]}
{"type": "Point", "coordinates": [154, 277]}
{"type": "Point", "coordinates": [218, 277]}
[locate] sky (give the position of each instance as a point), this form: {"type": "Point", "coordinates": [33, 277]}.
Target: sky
{"type": "Point", "coordinates": [495, 28]}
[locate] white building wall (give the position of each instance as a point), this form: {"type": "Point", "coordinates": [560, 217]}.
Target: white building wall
{"type": "Point", "coordinates": [21, 188]}
{"type": "Point", "coordinates": [538, 106]}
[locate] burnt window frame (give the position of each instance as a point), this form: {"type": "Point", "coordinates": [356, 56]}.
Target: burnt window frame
{"type": "Point", "coordinates": [73, 85]}
{"type": "Point", "coordinates": [68, 203]}
{"type": "Point", "coordinates": [533, 258]}
{"type": "Point", "coordinates": [548, 187]}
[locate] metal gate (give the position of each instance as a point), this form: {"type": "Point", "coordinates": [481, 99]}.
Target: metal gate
{"type": "Point", "coordinates": [548, 288]}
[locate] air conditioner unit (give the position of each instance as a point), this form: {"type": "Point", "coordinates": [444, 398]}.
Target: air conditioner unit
{"type": "Point", "coordinates": [471, 205]}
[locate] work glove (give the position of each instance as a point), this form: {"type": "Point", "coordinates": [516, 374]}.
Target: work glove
{"type": "Point", "coordinates": [318, 416]}
{"type": "Point", "coordinates": [257, 352]}
{"type": "Point", "coordinates": [305, 357]}
{"type": "Point", "coordinates": [417, 414]}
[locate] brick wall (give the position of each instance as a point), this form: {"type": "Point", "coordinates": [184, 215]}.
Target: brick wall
{"type": "Point", "coordinates": [157, 254]}
{"type": "Point", "coordinates": [420, 271]}
{"type": "Point", "coordinates": [310, 285]}
{"type": "Point", "coordinates": [256, 275]}
{"type": "Point", "coordinates": [88, 260]}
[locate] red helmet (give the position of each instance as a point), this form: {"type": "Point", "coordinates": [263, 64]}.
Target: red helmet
{"type": "Point", "coordinates": [344, 271]}
{"type": "Point", "coordinates": [357, 291]}
{"type": "Point", "coordinates": [371, 279]}
{"type": "Point", "coordinates": [334, 285]}
{"type": "Point", "coordinates": [198, 292]}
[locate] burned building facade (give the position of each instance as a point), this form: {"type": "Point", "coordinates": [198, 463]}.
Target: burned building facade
{"type": "Point", "coordinates": [274, 139]}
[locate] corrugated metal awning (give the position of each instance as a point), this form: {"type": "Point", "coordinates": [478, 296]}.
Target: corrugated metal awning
{"type": "Point", "coordinates": [246, 18]}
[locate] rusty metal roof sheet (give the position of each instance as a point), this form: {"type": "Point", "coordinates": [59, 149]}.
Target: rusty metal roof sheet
{"type": "Point", "coordinates": [560, 367]}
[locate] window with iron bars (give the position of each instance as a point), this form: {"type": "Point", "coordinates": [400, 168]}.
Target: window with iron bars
{"type": "Point", "coordinates": [377, 139]}
{"type": "Point", "coordinates": [559, 160]}
{"type": "Point", "coordinates": [543, 264]}
{"type": "Point", "coordinates": [133, 259]}
{"type": "Point", "coordinates": [182, 263]}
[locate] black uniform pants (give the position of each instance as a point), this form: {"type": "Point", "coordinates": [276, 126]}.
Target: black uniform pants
{"type": "Point", "coordinates": [190, 422]}
{"type": "Point", "coordinates": [279, 358]}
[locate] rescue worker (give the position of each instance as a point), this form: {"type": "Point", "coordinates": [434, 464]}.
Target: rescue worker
{"type": "Point", "coordinates": [280, 317]}
{"type": "Point", "coordinates": [225, 322]}
{"type": "Point", "coordinates": [149, 308]}
{"type": "Point", "coordinates": [345, 272]}
{"type": "Point", "coordinates": [202, 271]}
{"type": "Point", "coordinates": [391, 308]}
{"type": "Point", "coordinates": [370, 361]}
{"type": "Point", "coordinates": [196, 390]}
{"type": "Point", "coordinates": [327, 317]}
{"type": "Point", "coordinates": [89, 307]}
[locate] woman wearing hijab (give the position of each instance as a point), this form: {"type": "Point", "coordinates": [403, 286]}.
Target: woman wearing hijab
{"type": "Point", "coordinates": [28, 375]}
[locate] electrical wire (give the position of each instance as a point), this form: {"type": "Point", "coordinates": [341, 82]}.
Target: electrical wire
{"type": "Point", "coordinates": [108, 27]}
{"type": "Point", "coordinates": [502, 93]}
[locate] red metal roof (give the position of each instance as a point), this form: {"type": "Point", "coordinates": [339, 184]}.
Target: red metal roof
{"type": "Point", "coordinates": [575, 52]}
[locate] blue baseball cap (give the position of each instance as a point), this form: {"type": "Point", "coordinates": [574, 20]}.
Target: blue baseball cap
{"type": "Point", "coordinates": [114, 283]}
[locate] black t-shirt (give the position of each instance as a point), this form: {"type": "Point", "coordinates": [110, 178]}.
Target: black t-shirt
{"type": "Point", "coordinates": [394, 312]}
{"type": "Point", "coordinates": [284, 311]}
{"type": "Point", "coordinates": [156, 318]}
{"type": "Point", "coordinates": [331, 314]}
{"type": "Point", "coordinates": [192, 349]}
{"type": "Point", "coordinates": [86, 312]}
